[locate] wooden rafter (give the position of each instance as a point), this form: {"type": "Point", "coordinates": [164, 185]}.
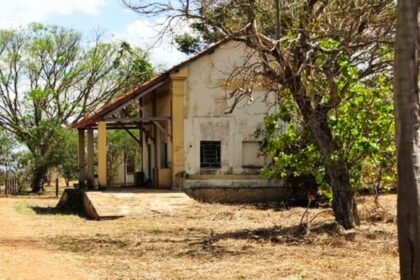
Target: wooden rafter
{"type": "Point", "coordinates": [131, 133]}
{"type": "Point", "coordinates": [136, 120]}
{"type": "Point", "coordinates": [129, 102]}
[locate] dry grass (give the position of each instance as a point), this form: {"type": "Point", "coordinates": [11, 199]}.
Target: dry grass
{"type": "Point", "coordinates": [210, 241]}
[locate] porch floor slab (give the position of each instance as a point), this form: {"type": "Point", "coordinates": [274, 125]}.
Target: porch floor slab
{"type": "Point", "coordinates": [121, 202]}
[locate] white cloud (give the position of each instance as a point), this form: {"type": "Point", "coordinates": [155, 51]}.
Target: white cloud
{"type": "Point", "coordinates": [14, 13]}
{"type": "Point", "coordinates": [144, 34]}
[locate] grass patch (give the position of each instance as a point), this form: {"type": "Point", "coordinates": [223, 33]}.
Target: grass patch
{"type": "Point", "coordinates": [89, 244]}
{"type": "Point", "coordinates": [213, 241]}
{"type": "Point", "coordinates": [23, 208]}
{"type": "Point", "coordinates": [32, 208]}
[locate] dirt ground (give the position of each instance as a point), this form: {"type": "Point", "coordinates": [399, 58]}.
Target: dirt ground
{"type": "Point", "coordinates": [203, 241]}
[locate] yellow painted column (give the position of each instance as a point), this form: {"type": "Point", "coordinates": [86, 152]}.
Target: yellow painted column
{"type": "Point", "coordinates": [81, 158]}
{"type": "Point", "coordinates": [89, 160]}
{"type": "Point", "coordinates": [102, 181]}
{"type": "Point", "coordinates": [177, 103]}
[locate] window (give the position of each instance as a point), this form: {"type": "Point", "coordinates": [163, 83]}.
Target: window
{"type": "Point", "coordinates": [210, 154]}
{"type": "Point", "coordinates": [251, 155]}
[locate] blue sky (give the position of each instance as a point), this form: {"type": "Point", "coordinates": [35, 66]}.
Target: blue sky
{"type": "Point", "coordinates": [86, 16]}
{"type": "Point", "coordinates": [109, 14]}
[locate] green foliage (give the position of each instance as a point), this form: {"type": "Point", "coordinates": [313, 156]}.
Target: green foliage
{"type": "Point", "coordinates": [7, 143]}
{"type": "Point", "coordinates": [119, 141]}
{"type": "Point", "coordinates": [204, 34]}
{"type": "Point", "coordinates": [188, 44]}
{"type": "Point", "coordinates": [50, 77]}
{"type": "Point", "coordinates": [65, 154]}
{"type": "Point", "coordinates": [362, 125]}
{"type": "Point", "coordinates": [120, 145]}
{"type": "Point", "coordinates": [142, 70]}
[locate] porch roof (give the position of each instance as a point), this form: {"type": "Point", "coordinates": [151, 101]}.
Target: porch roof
{"type": "Point", "coordinates": [145, 88]}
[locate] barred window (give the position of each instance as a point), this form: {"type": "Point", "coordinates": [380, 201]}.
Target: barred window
{"type": "Point", "coordinates": [210, 154]}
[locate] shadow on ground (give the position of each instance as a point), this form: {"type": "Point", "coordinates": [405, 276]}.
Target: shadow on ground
{"type": "Point", "coordinates": [278, 234]}
{"type": "Point", "coordinates": [197, 243]}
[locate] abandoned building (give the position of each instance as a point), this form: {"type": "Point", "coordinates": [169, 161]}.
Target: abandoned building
{"type": "Point", "coordinates": [186, 138]}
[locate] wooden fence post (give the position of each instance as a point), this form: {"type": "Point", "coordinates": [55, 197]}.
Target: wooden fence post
{"type": "Point", "coordinates": [56, 187]}
{"type": "Point", "coordinates": [5, 186]}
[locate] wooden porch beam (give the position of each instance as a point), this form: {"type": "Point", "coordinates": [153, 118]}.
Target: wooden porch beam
{"type": "Point", "coordinates": [134, 120]}
{"type": "Point", "coordinates": [131, 133]}
{"type": "Point", "coordinates": [163, 129]}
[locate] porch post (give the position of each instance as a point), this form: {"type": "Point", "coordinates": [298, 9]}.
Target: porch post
{"type": "Point", "coordinates": [177, 104]}
{"type": "Point", "coordinates": [102, 178]}
{"type": "Point", "coordinates": [81, 158]}
{"type": "Point", "coordinates": [90, 154]}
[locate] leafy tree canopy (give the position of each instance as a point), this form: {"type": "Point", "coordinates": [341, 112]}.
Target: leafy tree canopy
{"type": "Point", "coordinates": [51, 76]}
{"type": "Point", "coordinates": [363, 125]}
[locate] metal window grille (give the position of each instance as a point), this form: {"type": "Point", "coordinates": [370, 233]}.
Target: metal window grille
{"type": "Point", "coordinates": [210, 154]}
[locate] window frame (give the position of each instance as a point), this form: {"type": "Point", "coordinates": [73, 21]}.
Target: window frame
{"type": "Point", "coordinates": [215, 164]}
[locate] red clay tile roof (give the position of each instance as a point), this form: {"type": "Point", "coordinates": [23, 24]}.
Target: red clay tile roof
{"type": "Point", "coordinates": [100, 112]}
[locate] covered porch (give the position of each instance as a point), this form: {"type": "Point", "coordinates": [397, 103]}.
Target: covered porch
{"type": "Point", "coordinates": [153, 115]}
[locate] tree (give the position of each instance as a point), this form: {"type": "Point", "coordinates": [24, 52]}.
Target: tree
{"type": "Point", "coordinates": [310, 55]}
{"type": "Point", "coordinates": [121, 146]}
{"type": "Point", "coordinates": [7, 154]}
{"type": "Point", "coordinates": [363, 124]}
{"type": "Point", "coordinates": [7, 144]}
{"type": "Point", "coordinates": [65, 155]}
{"type": "Point", "coordinates": [50, 76]}
{"type": "Point", "coordinates": [406, 98]}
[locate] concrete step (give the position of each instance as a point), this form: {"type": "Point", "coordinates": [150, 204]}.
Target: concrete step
{"type": "Point", "coordinates": [113, 203]}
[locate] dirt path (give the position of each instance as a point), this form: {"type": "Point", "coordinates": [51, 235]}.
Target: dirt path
{"type": "Point", "coordinates": [23, 257]}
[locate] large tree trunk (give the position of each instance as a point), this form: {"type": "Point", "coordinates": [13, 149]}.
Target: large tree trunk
{"type": "Point", "coordinates": [406, 99]}
{"type": "Point", "coordinates": [39, 172]}
{"type": "Point", "coordinates": [344, 204]}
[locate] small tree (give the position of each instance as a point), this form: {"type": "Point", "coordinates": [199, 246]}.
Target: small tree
{"type": "Point", "coordinates": [120, 146]}
{"type": "Point", "coordinates": [7, 144]}
{"type": "Point", "coordinates": [7, 154]}
{"type": "Point", "coordinates": [66, 160]}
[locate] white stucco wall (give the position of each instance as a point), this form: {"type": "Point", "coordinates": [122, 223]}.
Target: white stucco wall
{"type": "Point", "coordinates": [205, 106]}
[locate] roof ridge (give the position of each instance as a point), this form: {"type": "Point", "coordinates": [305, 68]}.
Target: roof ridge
{"type": "Point", "coordinates": [117, 101]}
